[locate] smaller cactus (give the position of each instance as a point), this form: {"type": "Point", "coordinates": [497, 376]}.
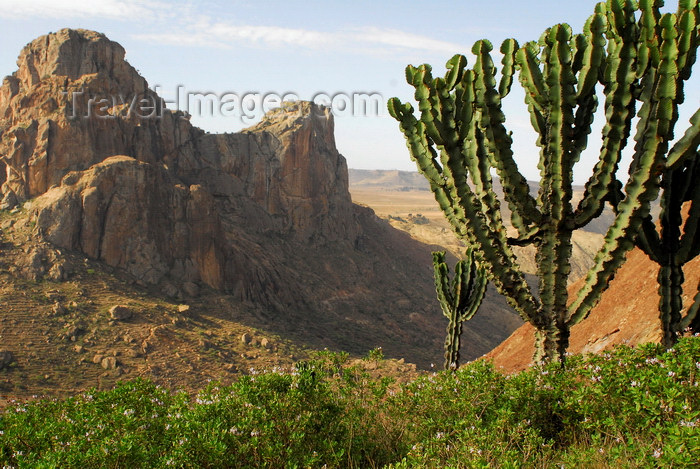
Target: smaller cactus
{"type": "Point", "coordinates": [459, 298]}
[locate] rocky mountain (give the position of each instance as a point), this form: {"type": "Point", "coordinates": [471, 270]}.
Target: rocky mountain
{"type": "Point", "coordinates": [388, 180]}
{"type": "Point", "coordinates": [93, 164]}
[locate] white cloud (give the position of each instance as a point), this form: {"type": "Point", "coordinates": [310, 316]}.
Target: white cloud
{"type": "Point", "coordinates": [207, 34]}
{"type": "Point", "coordinates": [228, 34]}
{"type": "Point", "coordinates": [181, 39]}
{"type": "Point", "coordinates": [114, 9]}
{"type": "Point", "coordinates": [269, 34]}
{"type": "Point", "coordinates": [177, 25]}
{"type": "Point", "coordinates": [403, 40]}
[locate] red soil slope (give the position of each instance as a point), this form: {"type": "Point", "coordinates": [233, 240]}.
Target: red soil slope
{"type": "Point", "coordinates": [626, 314]}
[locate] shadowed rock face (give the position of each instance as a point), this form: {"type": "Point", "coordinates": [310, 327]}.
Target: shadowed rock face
{"type": "Point", "coordinates": [264, 214]}
{"type": "Point", "coordinates": [289, 166]}
{"type": "Point", "coordinates": [134, 216]}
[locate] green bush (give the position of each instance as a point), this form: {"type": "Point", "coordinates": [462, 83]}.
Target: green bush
{"type": "Point", "coordinates": [625, 408]}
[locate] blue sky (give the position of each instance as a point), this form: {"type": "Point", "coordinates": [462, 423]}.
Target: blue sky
{"type": "Point", "coordinates": [304, 48]}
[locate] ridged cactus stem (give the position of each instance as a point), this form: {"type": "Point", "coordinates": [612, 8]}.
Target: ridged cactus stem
{"type": "Point", "coordinates": [459, 298]}
{"type": "Point", "coordinates": [692, 318]}
{"type": "Point", "coordinates": [551, 342]}
{"type": "Point", "coordinates": [670, 280]}
{"type": "Point", "coordinates": [664, 52]}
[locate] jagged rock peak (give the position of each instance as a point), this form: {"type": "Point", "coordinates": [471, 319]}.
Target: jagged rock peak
{"type": "Point", "coordinates": [311, 175]}
{"type": "Point", "coordinates": [48, 126]}
{"type": "Point", "coordinates": [292, 115]}
{"type": "Point", "coordinates": [73, 53]}
{"type": "Point", "coordinates": [303, 128]}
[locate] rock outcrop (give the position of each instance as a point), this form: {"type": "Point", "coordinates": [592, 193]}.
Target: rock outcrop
{"type": "Point", "coordinates": [263, 214]}
{"type": "Point", "coordinates": [7, 358]}
{"type": "Point", "coordinates": [139, 191]}
{"type": "Point", "coordinates": [134, 216]}
{"type": "Point", "coordinates": [74, 101]}
{"type": "Point", "coordinates": [50, 126]}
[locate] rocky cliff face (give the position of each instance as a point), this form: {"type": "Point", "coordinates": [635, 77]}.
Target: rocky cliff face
{"type": "Point", "coordinates": [70, 109]}
{"type": "Point", "coordinates": [264, 214]}
{"type": "Point", "coordinates": [75, 101]}
{"type": "Point", "coordinates": [133, 215]}
{"type": "Point", "coordinates": [43, 105]}
{"type": "Point", "coordinates": [289, 166]}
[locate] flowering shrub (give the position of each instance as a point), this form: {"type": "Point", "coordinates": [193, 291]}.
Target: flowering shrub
{"type": "Point", "coordinates": [627, 407]}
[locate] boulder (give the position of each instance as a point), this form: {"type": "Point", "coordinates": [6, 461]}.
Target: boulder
{"type": "Point", "coordinates": [190, 289]}
{"type": "Point", "coordinates": [58, 309]}
{"type": "Point", "coordinates": [9, 201]}
{"type": "Point", "coordinates": [109, 363]}
{"type": "Point", "coordinates": [120, 313]}
{"type": "Point", "coordinates": [7, 358]}
{"type": "Point", "coordinates": [245, 339]}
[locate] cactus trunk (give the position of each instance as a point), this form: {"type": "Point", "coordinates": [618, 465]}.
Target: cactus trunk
{"type": "Point", "coordinates": [452, 342]}
{"type": "Point", "coordinates": [670, 280]}
{"type": "Point", "coordinates": [672, 247]}
{"type": "Point", "coordinates": [551, 342]}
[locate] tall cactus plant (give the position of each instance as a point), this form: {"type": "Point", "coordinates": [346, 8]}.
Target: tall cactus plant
{"type": "Point", "coordinates": [641, 58]}
{"type": "Point", "coordinates": [459, 298]}
{"type": "Point", "coordinates": [672, 248]}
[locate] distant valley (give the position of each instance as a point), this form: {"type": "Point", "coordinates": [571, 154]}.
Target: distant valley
{"type": "Point", "coordinates": [405, 200]}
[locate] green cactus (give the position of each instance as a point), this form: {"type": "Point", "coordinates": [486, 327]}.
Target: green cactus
{"type": "Point", "coordinates": [673, 247]}
{"type": "Point", "coordinates": [641, 58]}
{"type": "Point", "coordinates": [459, 298]}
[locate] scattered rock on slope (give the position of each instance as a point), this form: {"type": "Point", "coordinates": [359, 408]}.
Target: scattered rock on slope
{"type": "Point", "coordinates": [120, 313]}
{"type": "Point", "coordinates": [7, 358]}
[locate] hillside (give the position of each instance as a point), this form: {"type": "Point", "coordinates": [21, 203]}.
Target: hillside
{"type": "Point", "coordinates": [387, 180]}
{"type": "Point", "coordinates": [627, 314]}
